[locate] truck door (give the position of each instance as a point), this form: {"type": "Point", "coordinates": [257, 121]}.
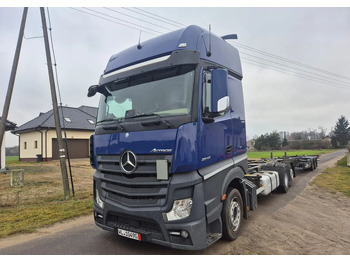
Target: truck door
{"type": "Point", "coordinates": [216, 141]}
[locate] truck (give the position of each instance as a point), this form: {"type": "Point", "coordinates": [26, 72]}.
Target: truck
{"type": "Point", "coordinates": [169, 148]}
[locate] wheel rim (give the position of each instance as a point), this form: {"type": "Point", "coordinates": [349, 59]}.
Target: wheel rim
{"type": "Point", "coordinates": [291, 174]}
{"type": "Point", "coordinates": [235, 215]}
{"type": "Point", "coordinates": [286, 180]}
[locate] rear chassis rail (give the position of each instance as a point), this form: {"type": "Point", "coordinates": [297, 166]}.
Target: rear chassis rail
{"type": "Point", "coordinates": [304, 162]}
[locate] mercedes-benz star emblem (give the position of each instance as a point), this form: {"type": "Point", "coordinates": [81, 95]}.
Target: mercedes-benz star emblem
{"type": "Point", "coordinates": [128, 162]}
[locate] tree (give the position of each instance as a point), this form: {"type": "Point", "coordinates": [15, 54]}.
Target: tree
{"type": "Point", "coordinates": [341, 134]}
{"type": "Point", "coordinates": [268, 141]}
{"type": "Point", "coordinates": [274, 141]}
{"type": "Point", "coordinates": [259, 142]}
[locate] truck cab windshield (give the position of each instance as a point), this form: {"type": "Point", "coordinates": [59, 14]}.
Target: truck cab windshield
{"type": "Point", "coordinates": [166, 92]}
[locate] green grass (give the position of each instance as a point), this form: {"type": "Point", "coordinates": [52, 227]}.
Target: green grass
{"type": "Point", "coordinates": [335, 179]}
{"type": "Point", "coordinates": [10, 160]}
{"type": "Point", "coordinates": [27, 218]}
{"type": "Point", "coordinates": [267, 154]}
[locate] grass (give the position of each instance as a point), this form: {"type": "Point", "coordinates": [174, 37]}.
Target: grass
{"type": "Point", "coordinates": [40, 202]}
{"type": "Point", "coordinates": [335, 179]}
{"type": "Point", "coordinates": [267, 154]}
{"type": "Point", "coordinates": [27, 218]}
{"type": "Point", "coordinates": [10, 160]}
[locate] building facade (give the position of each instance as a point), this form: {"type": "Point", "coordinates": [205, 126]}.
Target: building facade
{"type": "Point", "coordinates": [38, 137]}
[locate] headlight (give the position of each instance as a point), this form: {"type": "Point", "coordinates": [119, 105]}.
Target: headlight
{"type": "Point", "coordinates": [181, 209]}
{"type": "Point", "coordinates": [98, 199]}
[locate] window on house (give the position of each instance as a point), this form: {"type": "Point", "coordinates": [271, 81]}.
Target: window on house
{"type": "Point", "coordinates": [68, 119]}
{"type": "Point", "coordinates": [25, 145]}
{"type": "Point", "coordinates": [35, 144]}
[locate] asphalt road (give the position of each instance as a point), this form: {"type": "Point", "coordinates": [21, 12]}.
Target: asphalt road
{"type": "Point", "coordinates": [86, 238]}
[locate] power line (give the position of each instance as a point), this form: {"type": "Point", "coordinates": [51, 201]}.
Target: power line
{"type": "Point", "coordinates": [289, 60]}
{"type": "Point", "coordinates": [122, 20]}
{"type": "Point", "coordinates": [110, 20]}
{"type": "Point", "coordinates": [131, 10]}
{"type": "Point", "coordinates": [295, 68]}
{"type": "Point", "coordinates": [310, 76]}
{"type": "Point", "coordinates": [136, 18]}
{"type": "Point", "coordinates": [293, 73]}
{"type": "Point", "coordinates": [297, 74]}
{"type": "Point", "coordinates": [277, 57]}
{"type": "Point", "coordinates": [160, 16]}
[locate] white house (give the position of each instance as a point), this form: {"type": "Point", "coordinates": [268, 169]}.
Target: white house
{"type": "Point", "coordinates": [38, 138]}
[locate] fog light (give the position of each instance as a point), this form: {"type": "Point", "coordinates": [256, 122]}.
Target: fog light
{"type": "Point", "coordinates": [98, 199]}
{"type": "Point", "coordinates": [97, 215]}
{"type": "Point", "coordinates": [181, 209]}
{"type": "Point", "coordinates": [184, 234]}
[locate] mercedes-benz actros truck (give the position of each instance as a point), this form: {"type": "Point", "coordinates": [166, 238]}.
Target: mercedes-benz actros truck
{"type": "Point", "coordinates": [169, 147]}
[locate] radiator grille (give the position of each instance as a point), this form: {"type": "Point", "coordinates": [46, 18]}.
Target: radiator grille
{"type": "Point", "coordinates": [141, 188]}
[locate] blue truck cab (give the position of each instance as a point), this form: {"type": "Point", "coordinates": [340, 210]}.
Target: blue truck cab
{"type": "Point", "coordinates": [169, 147]}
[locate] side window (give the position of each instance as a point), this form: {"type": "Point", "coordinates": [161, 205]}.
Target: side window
{"type": "Point", "coordinates": [206, 93]}
{"type": "Point", "coordinates": [207, 107]}
{"type": "Point", "coordinates": [235, 91]}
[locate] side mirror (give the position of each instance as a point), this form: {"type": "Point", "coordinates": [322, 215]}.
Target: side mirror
{"type": "Point", "coordinates": [92, 90]}
{"type": "Point", "coordinates": [219, 93]}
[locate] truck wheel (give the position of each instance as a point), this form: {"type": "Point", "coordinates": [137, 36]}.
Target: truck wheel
{"type": "Point", "coordinates": [232, 215]}
{"type": "Point", "coordinates": [312, 165]}
{"type": "Point", "coordinates": [284, 177]}
{"type": "Point", "coordinates": [292, 175]}
{"type": "Point", "coordinates": [285, 183]}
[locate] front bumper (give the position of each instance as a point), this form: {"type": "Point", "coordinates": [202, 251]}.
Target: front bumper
{"type": "Point", "coordinates": [148, 220]}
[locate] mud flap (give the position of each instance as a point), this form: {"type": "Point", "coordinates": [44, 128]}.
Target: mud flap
{"type": "Point", "coordinates": [251, 200]}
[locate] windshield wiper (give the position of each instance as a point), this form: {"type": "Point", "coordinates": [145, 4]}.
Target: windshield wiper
{"type": "Point", "coordinates": [111, 127]}
{"type": "Point", "coordinates": [153, 114]}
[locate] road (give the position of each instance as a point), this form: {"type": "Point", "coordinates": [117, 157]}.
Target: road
{"type": "Point", "coordinates": [83, 237]}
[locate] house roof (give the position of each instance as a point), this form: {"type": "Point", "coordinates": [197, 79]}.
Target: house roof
{"type": "Point", "coordinates": [9, 125]}
{"type": "Point", "coordinates": [81, 118]}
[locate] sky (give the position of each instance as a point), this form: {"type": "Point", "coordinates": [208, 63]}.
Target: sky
{"type": "Point", "coordinates": [312, 42]}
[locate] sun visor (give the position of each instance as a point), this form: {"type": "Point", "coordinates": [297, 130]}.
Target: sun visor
{"type": "Point", "coordinates": [182, 57]}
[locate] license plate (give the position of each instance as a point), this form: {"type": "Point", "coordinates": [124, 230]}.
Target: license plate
{"type": "Point", "coordinates": [129, 234]}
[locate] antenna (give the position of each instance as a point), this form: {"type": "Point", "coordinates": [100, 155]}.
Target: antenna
{"type": "Point", "coordinates": [209, 52]}
{"type": "Point", "coordinates": [139, 45]}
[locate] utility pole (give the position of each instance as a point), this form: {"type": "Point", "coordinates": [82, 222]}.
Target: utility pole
{"type": "Point", "coordinates": [55, 109]}
{"type": "Point", "coordinates": [12, 77]}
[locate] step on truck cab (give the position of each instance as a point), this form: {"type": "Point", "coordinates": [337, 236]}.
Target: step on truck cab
{"type": "Point", "coordinates": [169, 147]}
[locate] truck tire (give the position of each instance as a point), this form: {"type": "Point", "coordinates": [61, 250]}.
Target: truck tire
{"type": "Point", "coordinates": [232, 215]}
{"type": "Point", "coordinates": [283, 170]}
{"type": "Point", "coordinates": [284, 175]}
{"type": "Point", "coordinates": [292, 175]}
{"type": "Point", "coordinates": [312, 165]}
